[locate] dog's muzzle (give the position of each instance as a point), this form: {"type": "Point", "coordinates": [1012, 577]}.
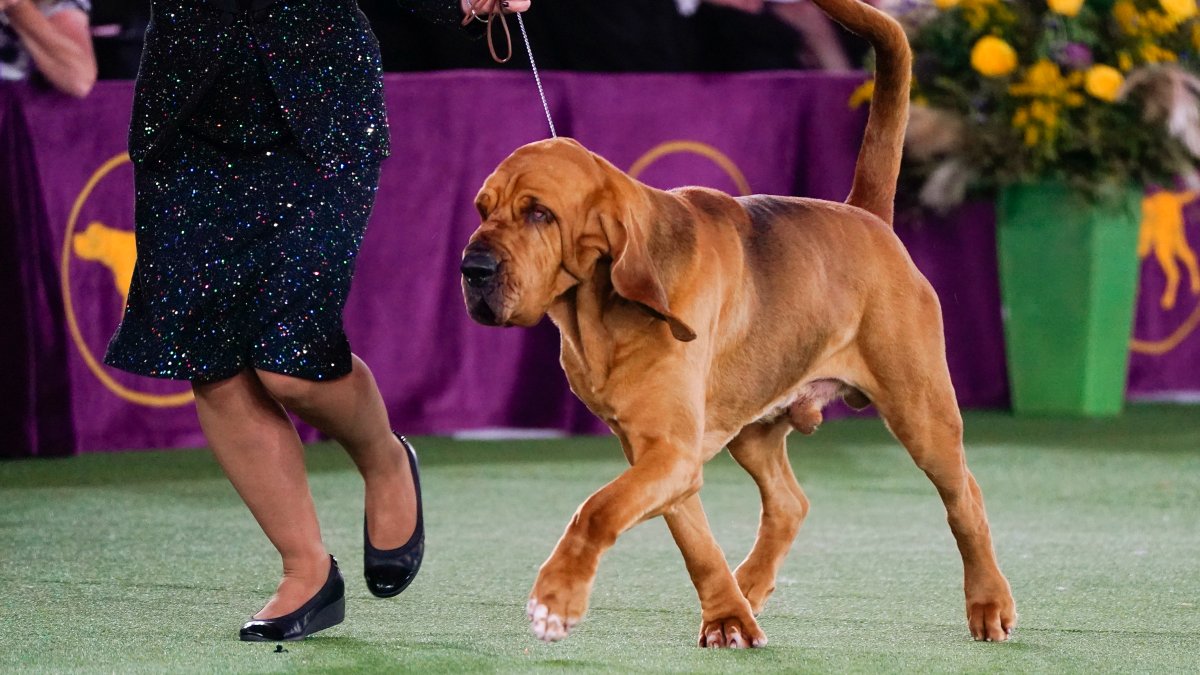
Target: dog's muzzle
{"type": "Point", "coordinates": [480, 280]}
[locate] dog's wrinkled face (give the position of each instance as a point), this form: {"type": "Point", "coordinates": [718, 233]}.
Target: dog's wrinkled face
{"type": "Point", "coordinates": [537, 209]}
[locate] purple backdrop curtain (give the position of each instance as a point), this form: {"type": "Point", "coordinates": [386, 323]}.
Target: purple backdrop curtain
{"type": "Point", "coordinates": [67, 195]}
{"type": "Point", "coordinates": [33, 355]}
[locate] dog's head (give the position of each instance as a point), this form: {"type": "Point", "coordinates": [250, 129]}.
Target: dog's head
{"type": "Point", "coordinates": [552, 211]}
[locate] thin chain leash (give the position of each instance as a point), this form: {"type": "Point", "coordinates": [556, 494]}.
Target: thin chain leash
{"type": "Point", "coordinates": [536, 77]}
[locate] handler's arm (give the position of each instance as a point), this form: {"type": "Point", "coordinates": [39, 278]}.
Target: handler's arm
{"type": "Point", "coordinates": [61, 45]}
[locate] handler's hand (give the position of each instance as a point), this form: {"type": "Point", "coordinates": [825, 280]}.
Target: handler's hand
{"type": "Point", "coordinates": [482, 7]}
{"type": "Point", "coordinates": [6, 5]}
{"type": "Point", "coordinates": [748, 6]}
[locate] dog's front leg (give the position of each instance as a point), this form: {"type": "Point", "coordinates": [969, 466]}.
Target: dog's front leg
{"type": "Point", "coordinates": [726, 617]}
{"type": "Point", "coordinates": [666, 468]}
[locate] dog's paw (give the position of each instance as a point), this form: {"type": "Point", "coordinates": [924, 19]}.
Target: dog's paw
{"type": "Point", "coordinates": [546, 625]}
{"type": "Point", "coordinates": [557, 603]}
{"type": "Point", "coordinates": [733, 632]}
{"type": "Point", "coordinates": [755, 585]}
{"type": "Point", "coordinates": [992, 620]}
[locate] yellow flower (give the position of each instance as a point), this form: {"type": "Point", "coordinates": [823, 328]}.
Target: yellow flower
{"type": "Point", "coordinates": [1044, 112]}
{"type": "Point", "coordinates": [1125, 61]}
{"type": "Point", "coordinates": [1127, 16]}
{"type": "Point", "coordinates": [945, 4]}
{"type": "Point", "coordinates": [993, 57]}
{"type": "Point", "coordinates": [1103, 82]}
{"type": "Point", "coordinates": [1043, 78]}
{"type": "Point", "coordinates": [1038, 122]}
{"type": "Point", "coordinates": [1152, 53]}
{"type": "Point", "coordinates": [980, 14]}
{"type": "Point", "coordinates": [863, 94]}
{"type": "Point", "coordinates": [1158, 23]}
{"type": "Point", "coordinates": [1044, 75]}
{"type": "Point", "coordinates": [1065, 7]}
{"type": "Point", "coordinates": [1179, 10]}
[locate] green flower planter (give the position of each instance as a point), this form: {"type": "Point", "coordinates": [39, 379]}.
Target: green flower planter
{"type": "Point", "coordinates": [1068, 279]}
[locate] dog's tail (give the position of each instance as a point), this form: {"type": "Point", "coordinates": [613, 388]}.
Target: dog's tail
{"type": "Point", "coordinates": [878, 165]}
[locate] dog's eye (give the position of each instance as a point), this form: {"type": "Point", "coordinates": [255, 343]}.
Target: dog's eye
{"type": "Point", "coordinates": [483, 204]}
{"type": "Point", "coordinates": [538, 216]}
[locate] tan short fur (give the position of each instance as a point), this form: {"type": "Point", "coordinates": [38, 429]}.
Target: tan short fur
{"type": "Point", "coordinates": [692, 321]}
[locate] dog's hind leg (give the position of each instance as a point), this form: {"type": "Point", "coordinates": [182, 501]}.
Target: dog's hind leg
{"type": "Point", "coordinates": [916, 399]}
{"type": "Point", "coordinates": [761, 449]}
{"type": "Point", "coordinates": [726, 617]}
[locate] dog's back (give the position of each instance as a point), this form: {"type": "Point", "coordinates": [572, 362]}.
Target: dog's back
{"type": "Point", "coordinates": [812, 271]}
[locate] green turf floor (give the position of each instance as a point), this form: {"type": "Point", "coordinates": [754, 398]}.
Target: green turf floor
{"type": "Point", "coordinates": [148, 562]}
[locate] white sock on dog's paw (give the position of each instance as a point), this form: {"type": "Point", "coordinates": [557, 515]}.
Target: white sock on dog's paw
{"type": "Point", "coordinates": [546, 626]}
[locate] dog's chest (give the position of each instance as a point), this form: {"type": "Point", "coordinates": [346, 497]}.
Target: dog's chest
{"type": "Point", "coordinates": [589, 385]}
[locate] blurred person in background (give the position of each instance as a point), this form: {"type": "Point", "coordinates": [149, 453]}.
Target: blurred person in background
{"type": "Point", "coordinates": [610, 36]}
{"type": "Point", "coordinates": [118, 30]}
{"type": "Point", "coordinates": [633, 36]}
{"type": "Point", "coordinates": [826, 45]}
{"type": "Point", "coordinates": [741, 35]}
{"type": "Point", "coordinates": [773, 35]}
{"type": "Point", "coordinates": [613, 36]}
{"type": "Point", "coordinates": [51, 38]}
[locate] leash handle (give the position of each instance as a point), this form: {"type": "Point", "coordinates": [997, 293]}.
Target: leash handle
{"type": "Point", "coordinates": [507, 37]}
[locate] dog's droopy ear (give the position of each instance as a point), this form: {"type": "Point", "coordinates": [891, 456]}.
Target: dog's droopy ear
{"type": "Point", "coordinates": [636, 276]}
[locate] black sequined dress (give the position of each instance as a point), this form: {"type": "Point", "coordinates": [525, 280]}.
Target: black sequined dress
{"type": "Point", "coordinates": [246, 245]}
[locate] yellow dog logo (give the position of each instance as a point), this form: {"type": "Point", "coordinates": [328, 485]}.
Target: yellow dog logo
{"type": "Point", "coordinates": [115, 249]}
{"type": "Point", "coordinates": [1162, 231]}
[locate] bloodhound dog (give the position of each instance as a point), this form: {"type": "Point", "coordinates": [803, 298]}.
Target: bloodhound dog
{"type": "Point", "coordinates": [692, 321]}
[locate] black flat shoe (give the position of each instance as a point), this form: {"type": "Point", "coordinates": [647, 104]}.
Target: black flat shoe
{"type": "Point", "coordinates": [390, 572]}
{"type": "Point", "coordinates": [327, 608]}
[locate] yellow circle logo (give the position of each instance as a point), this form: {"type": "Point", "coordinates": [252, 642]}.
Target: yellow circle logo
{"type": "Point", "coordinates": [114, 249]}
{"type": "Point", "coordinates": [1160, 347]}
{"type": "Point", "coordinates": [695, 148]}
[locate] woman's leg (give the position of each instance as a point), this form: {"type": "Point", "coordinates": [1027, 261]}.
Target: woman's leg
{"type": "Point", "coordinates": [257, 446]}
{"type": "Point", "coordinates": [351, 411]}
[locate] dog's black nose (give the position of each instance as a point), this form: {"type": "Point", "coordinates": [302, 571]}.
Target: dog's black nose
{"type": "Point", "coordinates": [479, 267]}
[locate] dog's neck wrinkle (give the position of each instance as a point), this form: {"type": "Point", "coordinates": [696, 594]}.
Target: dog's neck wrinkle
{"type": "Point", "coordinates": [591, 348]}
